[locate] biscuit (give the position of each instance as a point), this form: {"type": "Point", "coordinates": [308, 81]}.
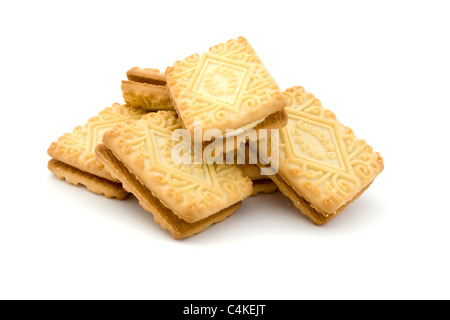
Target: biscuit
{"type": "Point", "coordinates": [142, 150]}
{"type": "Point", "coordinates": [77, 149]}
{"type": "Point", "coordinates": [261, 131]}
{"type": "Point", "coordinates": [274, 121]}
{"type": "Point", "coordinates": [146, 88]}
{"type": "Point", "coordinates": [92, 182]}
{"type": "Point", "coordinates": [225, 88]}
{"type": "Point", "coordinates": [323, 166]}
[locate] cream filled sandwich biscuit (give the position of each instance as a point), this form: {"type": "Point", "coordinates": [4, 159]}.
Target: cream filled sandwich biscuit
{"type": "Point", "coordinates": [227, 87]}
{"type": "Point", "coordinates": [74, 153]}
{"type": "Point", "coordinates": [185, 199]}
{"type": "Point", "coordinates": [323, 165]}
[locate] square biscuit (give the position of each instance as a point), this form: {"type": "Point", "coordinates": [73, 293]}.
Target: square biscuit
{"type": "Point", "coordinates": [227, 87]}
{"type": "Point", "coordinates": [77, 149]}
{"type": "Point", "coordinates": [146, 88]}
{"type": "Point", "coordinates": [192, 191]}
{"type": "Point", "coordinates": [323, 165]}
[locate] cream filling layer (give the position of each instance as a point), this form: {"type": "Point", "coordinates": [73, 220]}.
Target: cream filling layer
{"type": "Point", "coordinates": [243, 129]}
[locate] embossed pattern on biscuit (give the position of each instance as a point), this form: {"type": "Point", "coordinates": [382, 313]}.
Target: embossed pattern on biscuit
{"type": "Point", "coordinates": [225, 88]}
{"type": "Point", "coordinates": [78, 148]}
{"type": "Point", "coordinates": [320, 158]}
{"type": "Point", "coordinates": [191, 191]}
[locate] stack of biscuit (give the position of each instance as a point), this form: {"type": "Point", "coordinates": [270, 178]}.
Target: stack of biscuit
{"type": "Point", "coordinates": [129, 148]}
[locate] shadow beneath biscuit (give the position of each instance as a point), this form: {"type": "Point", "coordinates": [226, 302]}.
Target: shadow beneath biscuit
{"type": "Point", "coordinates": [126, 212]}
{"type": "Point", "coordinates": [142, 221]}
{"type": "Point", "coordinates": [363, 213]}
{"type": "Point", "coordinates": [266, 215]}
{"type": "Point", "coordinates": [274, 216]}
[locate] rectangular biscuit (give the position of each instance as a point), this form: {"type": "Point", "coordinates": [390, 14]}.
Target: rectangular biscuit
{"type": "Point", "coordinates": [146, 88]}
{"type": "Point", "coordinates": [77, 149]}
{"type": "Point", "coordinates": [227, 87]}
{"type": "Point", "coordinates": [323, 166]}
{"type": "Point", "coordinates": [193, 192]}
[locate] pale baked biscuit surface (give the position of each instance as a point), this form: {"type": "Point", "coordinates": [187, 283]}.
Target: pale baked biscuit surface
{"type": "Point", "coordinates": [77, 149]}
{"type": "Point", "coordinates": [321, 159]}
{"type": "Point", "coordinates": [225, 88]}
{"type": "Point", "coordinates": [192, 191]}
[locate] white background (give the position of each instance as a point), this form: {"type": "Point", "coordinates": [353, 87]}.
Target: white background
{"type": "Point", "coordinates": [381, 66]}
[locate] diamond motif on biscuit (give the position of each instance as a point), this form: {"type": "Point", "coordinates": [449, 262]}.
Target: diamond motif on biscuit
{"type": "Point", "coordinates": [226, 88]}
{"type": "Point", "coordinates": [220, 80]}
{"type": "Point", "coordinates": [316, 140]}
{"type": "Point", "coordinates": [320, 158]}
